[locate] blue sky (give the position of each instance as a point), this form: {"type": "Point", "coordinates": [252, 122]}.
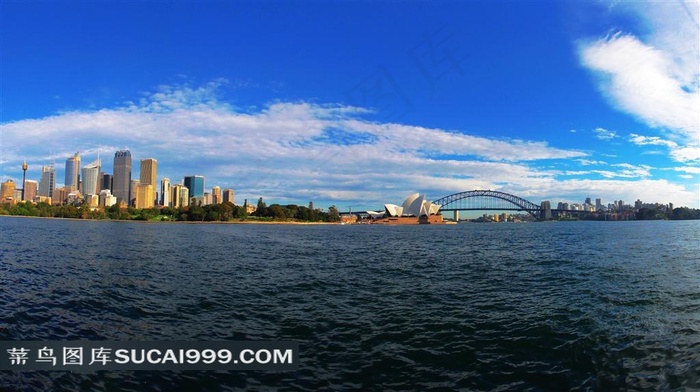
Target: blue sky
{"type": "Point", "coordinates": [362, 104]}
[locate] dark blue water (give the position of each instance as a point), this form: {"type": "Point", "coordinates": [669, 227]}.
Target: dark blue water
{"type": "Point", "coordinates": [539, 306]}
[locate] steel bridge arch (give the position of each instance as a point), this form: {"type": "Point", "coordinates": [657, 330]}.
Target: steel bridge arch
{"type": "Point", "coordinates": [522, 204]}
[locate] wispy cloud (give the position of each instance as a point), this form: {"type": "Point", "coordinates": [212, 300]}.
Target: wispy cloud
{"type": "Point", "coordinates": [300, 151]}
{"type": "Point", "coordinates": [654, 78]}
{"type": "Point", "coordinates": [604, 134]}
{"type": "Point", "coordinates": [282, 150]}
{"type": "Point", "coordinates": [677, 152]}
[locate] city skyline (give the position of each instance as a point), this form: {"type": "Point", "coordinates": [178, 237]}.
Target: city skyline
{"type": "Point", "coordinates": [549, 102]}
{"type": "Point", "coordinates": [148, 175]}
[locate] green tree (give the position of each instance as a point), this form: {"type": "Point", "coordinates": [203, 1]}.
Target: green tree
{"type": "Point", "coordinates": [276, 212]}
{"type": "Point", "coordinates": [195, 213]}
{"type": "Point", "coordinates": [333, 215]}
{"type": "Point", "coordinates": [262, 208]}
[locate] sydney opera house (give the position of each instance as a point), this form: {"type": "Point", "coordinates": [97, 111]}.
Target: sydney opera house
{"type": "Point", "coordinates": [414, 210]}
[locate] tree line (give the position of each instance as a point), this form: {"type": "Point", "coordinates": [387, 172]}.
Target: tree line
{"type": "Point", "coordinates": [222, 212]}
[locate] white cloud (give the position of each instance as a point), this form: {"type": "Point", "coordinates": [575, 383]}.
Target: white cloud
{"type": "Point", "coordinates": [283, 150]}
{"type": "Point", "coordinates": [686, 154]}
{"type": "Point", "coordinates": [587, 162]}
{"type": "Point", "coordinates": [654, 77]}
{"type": "Point", "coordinates": [604, 134]}
{"type": "Point", "coordinates": [641, 80]}
{"type": "Point", "coordinates": [678, 153]}
{"type": "Point", "coordinates": [297, 152]}
{"type": "Point", "coordinates": [688, 169]}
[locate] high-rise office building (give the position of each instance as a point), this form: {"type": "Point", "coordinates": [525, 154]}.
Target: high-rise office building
{"type": "Point", "coordinates": [175, 195]}
{"type": "Point", "coordinates": [47, 183]}
{"type": "Point", "coordinates": [144, 196]}
{"type": "Point", "coordinates": [121, 187]}
{"type": "Point", "coordinates": [195, 185]}
{"type": "Point", "coordinates": [147, 174]}
{"type": "Point", "coordinates": [106, 181]}
{"type": "Point", "coordinates": [30, 188]}
{"type": "Point", "coordinates": [165, 192]}
{"type": "Point", "coordinates": [90, 178]}
{"type": "Point", "coordinates": [7, 191]}
{"type": "Point", "coordinates": [229, 196]}
{"type": "Point", "coordinates": [216, 195]}
{"type": "Point", "coordinates": [73, 171]}
{"type": "Point", "coordinates": [184, 197]}
{"type": "Point", "coordinates": [134, 184]}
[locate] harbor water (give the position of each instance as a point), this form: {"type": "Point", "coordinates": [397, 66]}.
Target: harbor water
{"type": "Point", "coordinates": [533, 306]}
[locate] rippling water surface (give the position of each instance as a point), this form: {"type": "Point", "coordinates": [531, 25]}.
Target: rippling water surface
{"type": "Point", "coordinates": [541, 306]}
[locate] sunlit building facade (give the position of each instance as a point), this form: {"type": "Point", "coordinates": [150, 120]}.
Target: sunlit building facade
{"type": "Point", "coordinates": [121, 187]}
{"type": "Point", "coordinates": [90, 178]}
{"type": "Point", "coordinates": [72, 177]}
{"type": "Point", "coordinates": [47, 183]}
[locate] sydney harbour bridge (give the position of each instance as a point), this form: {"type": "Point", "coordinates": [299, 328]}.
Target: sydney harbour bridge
{"type": "Point", "coordinates": [488, 200]}
{"type": "Point", "coordinates": [485, 200]}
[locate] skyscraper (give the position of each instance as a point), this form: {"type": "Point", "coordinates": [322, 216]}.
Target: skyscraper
{"type": "Point", "coordinates": [229, 196]}
{"type": "Point", "coordinates": [48, 181]}
{"type": "Point", "coordinates": [132, 190]}
{"type": "Point", "coordinates": [144, 196]}
{"type": "Point", "coordinates": [90, 178]}
{"type": "Point", "coordinates": [30, 189]}
{"type": "Point", "coordinates": [73, 171]}
{"type": "Point", "coordinates": [216, 195]}
{"type": "Point", "coordinates": [195, 186]}
{"type": "Point", "coordinates": [121, 186]}
{"type": "Point", "coordinates": [147, 176]}
{"type": "Point", "coordinates": [105, 181]}
{"type": "Point", "coordinates": [7, 191]}
{"type": "Point", "coordinates": [165, 192]}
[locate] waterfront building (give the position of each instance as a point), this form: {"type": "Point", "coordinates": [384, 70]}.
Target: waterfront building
{"type": "Point", "coordinates": [90, 178]}
{"type": "Point", "coordinates": [184, 196]}
{"type": "Point", "coordinates": [180, 196]}
{"type": "Point", "coordinates": [7, 191]}
{"type": "Point", "coordinates": [414, 210]}
{"type": "Point", "coordinates": [47, 183]}
{"type": "Point", "coordinates": [207, 199]}
{"type": "Point", "coordinates": [165, 200]}
{"type": "Point", "coordinates": [72, 177]}
{"type": "Point", "coordinates": [92, 201]}
{"type": "Point", "coordinates": [106, 181]}
{"type": "Point", "coordinates": [229, 196]}
{"type": "Point", "coordinates": [147, 175]}
{"type": "Point", "coordinates": [42, 199]}
{"type": "Point", "coordinates": [250, 208]}
{"type": "Point", "coordinates": [145, 196]}
{"type": "Point", "coordinates": [106, 199]}
{"type": "Point", "coordinates": [60, 195]}
{"type": "Point", "coordinates": [216, 195]}
{"type": "Point", "coordinates": [74, 197]}
{"type": "Point", "coordinates": [599, 205]}
{"type": "Point", "coordinates": [30, 189]}
{"type": "Point", "coordinates": [175, 195]}
{"type": "Point", "coordinates": [121, 187]}
{"type": "Point", "coordinates": [546, 207]}
{"type": "Point", "coordinates": [195, 185]}
{"type": "Point", "coordinates": [132, 190]}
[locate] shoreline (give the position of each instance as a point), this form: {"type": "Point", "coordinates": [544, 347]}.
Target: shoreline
{"type": "Point", "coordinates": [235, 222]}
